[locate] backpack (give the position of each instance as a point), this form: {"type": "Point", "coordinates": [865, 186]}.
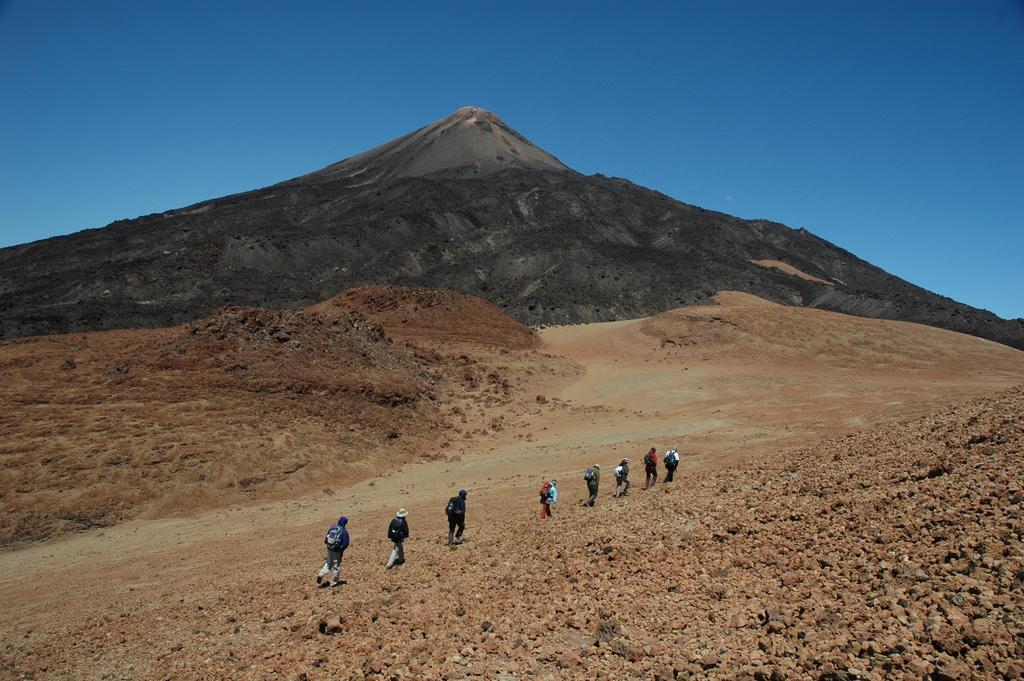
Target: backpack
{"type": "Point", "coordinates": [588, 474]}
{"type": "Point", "coordinates": [395, 531]}
{"type": "Point", "coordinates": [450, 508]}
{"type": "Point", "coordinates": [619, 472]}
{"type": "Point", "coordinates": [333, 538]}
{"type": "Point", "coordinates": [545, 491]}
{"type": "Point", "coordinates": [672, 458]}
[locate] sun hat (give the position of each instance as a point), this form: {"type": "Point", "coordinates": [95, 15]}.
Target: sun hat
{"type": "Point", "coordinates": [402, 513]}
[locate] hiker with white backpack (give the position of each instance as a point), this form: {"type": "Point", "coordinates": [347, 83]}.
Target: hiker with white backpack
{"type": "Point", "coordinates": [336, 541]}
{"type": "Point", "coordinates": [671, 463]}
{"type": "Point", "coordinates": [622, 478]}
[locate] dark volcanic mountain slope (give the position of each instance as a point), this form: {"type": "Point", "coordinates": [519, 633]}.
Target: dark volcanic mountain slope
{"type": "Point", "coordinates": [439, 208]}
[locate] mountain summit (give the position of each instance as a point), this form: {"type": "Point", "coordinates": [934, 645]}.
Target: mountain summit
{"type": "Point", "coordinates": [472, 142]}
{"type": "Point", "coordinates": [468, 204]}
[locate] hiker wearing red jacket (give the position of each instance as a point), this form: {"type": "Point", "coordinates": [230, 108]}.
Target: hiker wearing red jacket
{"type": "Point", "coordinates": [651, 468]}
{"type": "Point", "coordinates": [547, 498]}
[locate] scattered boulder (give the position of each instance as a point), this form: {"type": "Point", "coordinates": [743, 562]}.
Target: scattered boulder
{"type": "Point", "coordinates": [608, 628]}
{"type": "Point", "coordinates": [331, 625]}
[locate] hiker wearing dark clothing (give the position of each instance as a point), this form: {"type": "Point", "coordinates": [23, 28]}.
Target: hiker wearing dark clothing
{"type": "Point", "coordinates": [545, 500]}
{"type": "Point", "coordinates": [622, 478]}
{"type": "Point", "coordinates": [398, 532]}
{"type": "Point", "coordinates": [456, 510]}
{"type": "Point", "coordinates": [336, 541]}
{"type": "Point", "coordinates": [592, 476]}
{"type": "Point", "coordinates": [671, 463]}
{"type": "Point", "coordinates": [650, 468]}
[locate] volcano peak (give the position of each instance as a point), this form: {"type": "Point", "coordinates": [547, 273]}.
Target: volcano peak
{"type": "Point", "coordinates": [470, 142]}
{"type": "Point", "coordinates": [471, 111]}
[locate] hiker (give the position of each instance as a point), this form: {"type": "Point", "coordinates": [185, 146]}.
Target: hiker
{"type": "Point", "coordinates": [398, 532]}
{"type": "Point", "coordinates": [650, 468]}
{"type": "Point", "coordinates": [456, 511]}
{"type": "Point", "coordinates": [622, 478]}
{"type": "Point", "coordinates": [336, 541]}
{"type": "Point", "coordinates": [671, 462]}
{"type": "Point", "coordinates": [554, 494]}
{"type": "Point", "coordinates": [592, 476]}
{"type": "Point", "coordinates": [545, 500]}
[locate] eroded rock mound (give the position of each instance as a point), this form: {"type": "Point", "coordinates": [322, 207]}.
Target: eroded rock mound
{"type": "Point", "coordinates": [298, 351]}
{"type": "Point", "coordinates": [411, 313]}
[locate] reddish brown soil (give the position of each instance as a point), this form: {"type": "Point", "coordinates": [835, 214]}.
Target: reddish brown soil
{"type": "Point", "coordinates": [848, 505]}
{"type": "Point", "coordinates": [246, 404]}
{"type": "Point", "coordinates": [425, 314]}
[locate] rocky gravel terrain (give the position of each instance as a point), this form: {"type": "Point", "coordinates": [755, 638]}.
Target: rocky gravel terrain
{"type": "Point", "coordinates": [891, 553]}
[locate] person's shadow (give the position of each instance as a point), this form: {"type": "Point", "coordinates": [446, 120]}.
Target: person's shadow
{"type": "Point", "coordinates": [327, 585]}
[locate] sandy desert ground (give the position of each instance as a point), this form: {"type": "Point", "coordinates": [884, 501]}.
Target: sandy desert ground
{"type": "Point", "coordinates": [848, 504]}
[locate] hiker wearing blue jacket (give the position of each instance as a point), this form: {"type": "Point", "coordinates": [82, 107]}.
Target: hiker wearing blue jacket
{"type": "Point", "coordinates": [336, 540]}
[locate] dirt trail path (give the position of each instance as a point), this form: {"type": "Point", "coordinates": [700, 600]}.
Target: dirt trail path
{"type": "Point", "coordinates": [633, 390]}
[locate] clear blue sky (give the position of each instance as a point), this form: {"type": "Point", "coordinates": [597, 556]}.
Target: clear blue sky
{"type": "Point", "coordinates": [894, 129]}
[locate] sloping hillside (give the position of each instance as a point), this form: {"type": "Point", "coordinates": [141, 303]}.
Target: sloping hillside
{"type": "Point", "coordinates": [895, 553]}
{"type": "Point", "coordinates": [247, 404]}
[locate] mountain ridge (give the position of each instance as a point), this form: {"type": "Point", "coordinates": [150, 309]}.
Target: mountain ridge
{"type": "Point", "coordinates": [548, 245]}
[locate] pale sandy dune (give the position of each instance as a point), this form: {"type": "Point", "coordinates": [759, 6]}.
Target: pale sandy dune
{"type": "Point", "coordinates": [789, 269]}
{"type": "Point", "coordinates": [721, 378]}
